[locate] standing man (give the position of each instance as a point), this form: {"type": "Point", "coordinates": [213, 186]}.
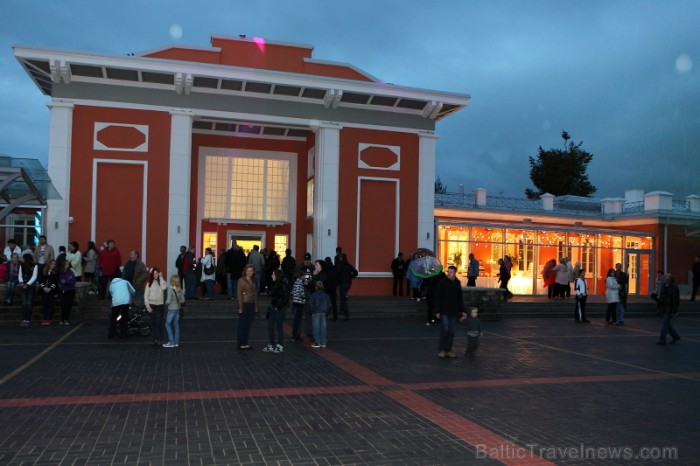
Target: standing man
{"type": "Point", "coordinates": [696, 277]}
{"type": "Point", "coordinates": [43, 253]}
{"type": "Point", "coordinates": [235, 263]}
{"type": "Point", "coordinates": [12, 248]}
{"type": "Point", "coordinates": [670, 299]}
{"type": "Point", "coordinates": [449, 305]}
{"type": "Point", "coordinates": [289, 265]}
{"type": "Point", "coordinates": [346, 273]}
{"type": "Point", "coordinates": [398, 269]}
{"type": "Point", "coordinates": [623, 281]}
{"type": "Point", "coordinates": [109, 259]}
{"type": "Point", "coordinates": [135, 272]}
{"type": "Point", "coordinates": [581, 292]}
{"type": "Point", "coordinates": [472, 270]}
{"type": "Point", "coordinates": [180, 265]}
{"type": "Point", "coordinates": [257, 260]}
{"type": "Point", "coordinates": [189, 273]}
{"type": "Point", "coordinates": [338, 254]}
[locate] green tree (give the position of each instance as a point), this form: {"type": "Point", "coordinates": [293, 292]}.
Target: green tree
{"type": "Point", "coordinates": [439, 187]}
{"type": "Point", "coordinates": [561, 172]}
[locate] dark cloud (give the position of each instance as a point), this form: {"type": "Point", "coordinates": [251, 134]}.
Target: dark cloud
{"type": "Point", "coordinates": [604, 71]}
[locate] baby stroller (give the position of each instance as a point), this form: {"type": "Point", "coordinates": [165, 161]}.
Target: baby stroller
{"type": "Point", "coordinates": [135, 325]}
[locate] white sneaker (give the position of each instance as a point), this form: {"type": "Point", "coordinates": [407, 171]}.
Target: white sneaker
{"type": "Point", "coordinates": [279, 349]}
{"type": "Point", "coordinates": [168, 345]}
{"type": "Point", "coordinates": [269, 349]}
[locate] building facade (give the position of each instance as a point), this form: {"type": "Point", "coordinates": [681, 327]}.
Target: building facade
{"type": "Point", "coordinates": [248, 140]}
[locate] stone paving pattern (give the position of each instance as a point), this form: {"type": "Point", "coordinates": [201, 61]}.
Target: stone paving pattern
{"type": "Point", "coordinates": [377, 395]}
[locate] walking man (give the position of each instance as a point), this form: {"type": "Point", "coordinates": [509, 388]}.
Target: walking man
{"type": "Point", "coordinates": [472, 270]}
{"type": "Point", "coordinates": [670, 299]}
{"type": "Point", "coordinates": [449, 306]}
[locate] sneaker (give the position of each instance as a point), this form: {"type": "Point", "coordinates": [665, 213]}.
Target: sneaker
{"type": "Point", "coordinates": [168, 345]}
{"type": "Point", "coordinates": [450, 354]}
{"type": "Point", "coordinates": [24, 323]}
{"type": "Point", "coordinates": [44, 322]}
{"type": "Point", "coordinates": [65, 322]}
{"type": "Point", "coordinates": [427, 324]}
{"type": "Point", "coordinates": [323, 346]}
{"type": "Point", "coordinates": [441, 354]}
{"type": "Point", "coordinates": [315, 345]}
{"type": "Point", "coordinates": [673, 342]}
{"type": "Point", "coordinates": [177, 345]}
{"type": "Point", "coordinates": [279, 349]}
{"type": "Point", "coordinates": [268, 349]}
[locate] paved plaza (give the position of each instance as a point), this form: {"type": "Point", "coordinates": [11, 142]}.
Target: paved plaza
{"type": "Point", "coordinates": [540, 391]}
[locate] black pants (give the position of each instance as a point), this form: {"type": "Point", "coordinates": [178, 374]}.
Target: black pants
{"type": "Point", "coordinates": [104, 285]}
{"type": "Point", "coordinates": [580, 310]}
{"type": "Point", "coordinates": [696, 284]}
{"type": "Point", "coordinates": [117, 311]}
{"type": "Point", "coordinates": [67, 304]}
{"type": "Point", "coordinates": [472, 345]}
{"type": "Point", "coordinates": [398, 284]}
{"type": "Point", "coordinates": [611, 313]}
{"type": "Point", "coordinates": [471, 281]}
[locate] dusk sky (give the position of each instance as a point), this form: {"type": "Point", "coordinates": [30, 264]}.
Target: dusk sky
{"type": "Point", "coordinates": [621, 76]}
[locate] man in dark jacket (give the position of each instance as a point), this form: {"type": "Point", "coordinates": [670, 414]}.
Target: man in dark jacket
{"type": "Point", "coordinates": [235, 263]}
{"type": "Point", "coordinates": [398, 269]}
{"type": "Point", "coordinates": [346, 274]}
{"type": "Point", "coordinates": [696, 277]}
{"type": "Point", "coordinates": [670, 299]}
{"type": "Point", "coordinates": [449, 306]}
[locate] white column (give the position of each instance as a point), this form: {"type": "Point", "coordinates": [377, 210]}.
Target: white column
{"type": "Point", "coordinates": [326, 177]}
{"type": "Point", "coordinates": [426, 189]}
{"type": "Point", "coordinates": [179, 184]}
{"type": "Point", "coordinates": [60, 131]}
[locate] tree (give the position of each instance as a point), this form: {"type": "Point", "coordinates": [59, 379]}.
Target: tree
{"type": "Point", "coordinates": [560, 172]}
{"type": "Point", "coordinates": [439, 187]}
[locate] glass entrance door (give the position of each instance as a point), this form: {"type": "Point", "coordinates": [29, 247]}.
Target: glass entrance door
{"type": "Point", "coordinates": [639, 270]}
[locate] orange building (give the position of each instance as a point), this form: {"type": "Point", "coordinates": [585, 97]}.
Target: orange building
{"type": "Point", "coordinates": [248, 140]}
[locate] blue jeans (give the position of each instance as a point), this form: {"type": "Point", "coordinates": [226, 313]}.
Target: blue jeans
{"type": "Point", "coordinates": [244, 320]}
{"type": "Point", "coordinates": [621, 311]}
{"type": "Point", "coordinates": [320, 327]}
{"type": "Point", "coordinates": [28, 293]}
{"type": "Point", "coordinates": [10, 292]}
{"type": "Point", "coordinates": [274, 324]}
{"type": "Point", "coordinates": [447, 332]}
{"type": "Point", "coordinates": [231, 285]}
{"type": "Point", "coordinates": [667, 328]}
{"type": "Point", "coordinates": [190, 285]}
{"type": "Point", "coordinates": [210, 288]}
{"type": "Point", "coordinates": [172, 326]}
{"type": "Point", "coordinates": [298, 309]}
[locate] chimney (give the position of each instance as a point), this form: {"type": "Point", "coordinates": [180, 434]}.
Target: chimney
{"type": "Point", "coordinates": [480, 197]}
{"type": "Point", "coordinates": [612, 205]}
{"type": "Point", "coordinates": [658, 200]}
{"type": "Point", "coordinates": [547, 201]}
{"type": "Point", "coordinates": [693, 202]}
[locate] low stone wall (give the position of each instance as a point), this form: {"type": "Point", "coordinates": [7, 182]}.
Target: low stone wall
{"type": "Point", "coordinates": [487, 300]}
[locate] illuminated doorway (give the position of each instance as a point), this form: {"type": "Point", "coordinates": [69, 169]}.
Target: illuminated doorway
{"type": "Point", "coordinates": [247, 239]}
{"type": "Point", "coordinates": [639, 270]}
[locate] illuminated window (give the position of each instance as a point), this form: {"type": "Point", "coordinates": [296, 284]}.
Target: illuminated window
{"type": "Point", "coordinates": [246, 188]}
{"type": "Point", "coordinates": [209, 241]}
{"type": "Point", "coordinates": [281, 242]}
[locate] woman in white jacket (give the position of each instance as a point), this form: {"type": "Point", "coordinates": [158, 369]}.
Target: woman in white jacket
{"type": "Point", "coordinates": [154, 299]}
{"type": "Point", "coordinates": [612, 296]}
{"type": "Point", "coordinates": [209, 278]}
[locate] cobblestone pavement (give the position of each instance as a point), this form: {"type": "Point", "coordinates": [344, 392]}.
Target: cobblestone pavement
{"type": "Point", "coordinates": [540, 391]}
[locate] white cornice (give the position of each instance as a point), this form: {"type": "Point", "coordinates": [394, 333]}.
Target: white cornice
{"type": "Point", "coordinates": [159, 65]}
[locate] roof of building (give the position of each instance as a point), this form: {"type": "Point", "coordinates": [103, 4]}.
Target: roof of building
{"type": "Point", "coordinates": [23, 183]}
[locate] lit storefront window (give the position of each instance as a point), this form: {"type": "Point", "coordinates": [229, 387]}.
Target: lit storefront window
{"type": "Point", "coordinates": [530, 249]}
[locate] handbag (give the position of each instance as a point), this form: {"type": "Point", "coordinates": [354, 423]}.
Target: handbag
{"type": "Point", "coordinates": [211, 269]}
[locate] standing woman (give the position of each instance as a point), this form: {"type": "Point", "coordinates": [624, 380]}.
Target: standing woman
{"type": "Point", "coordinates": [280, 298]}
{"type": "Point", "coordinates": [612, 296]}
{"type": "Point", "coordinates": [247, 305]}
{"type": "Point", "coordinates": [90, 257]}
{"type": "Point", "coordinates": [28, 275]}
{"type": "Point", "coordinates": [155, 303]}
{"type": "Point", "coordinates": [75, 258]}
{"type": "Point", "coordinates": [207, 265]}
{"type": "Point", "coordinates": [66, 283]}
{"type": "Point", "coordinates": [173, 302]}
{"type": "Point", "coordinates": [48, 288]}
{"type": "Point", "coordinates": [504, 278]}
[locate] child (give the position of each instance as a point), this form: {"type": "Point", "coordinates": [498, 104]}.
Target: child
{"type": "Point", "coordinates": [275, 316]}
{"type": "Point", "coordinates": [473, 327]}
{"type": "Point", "coordinates": [174, 300]}
{"type": "Point", "coordinates": [319, 306]}
{"type": "Point", "coordinates": [298, 302]}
